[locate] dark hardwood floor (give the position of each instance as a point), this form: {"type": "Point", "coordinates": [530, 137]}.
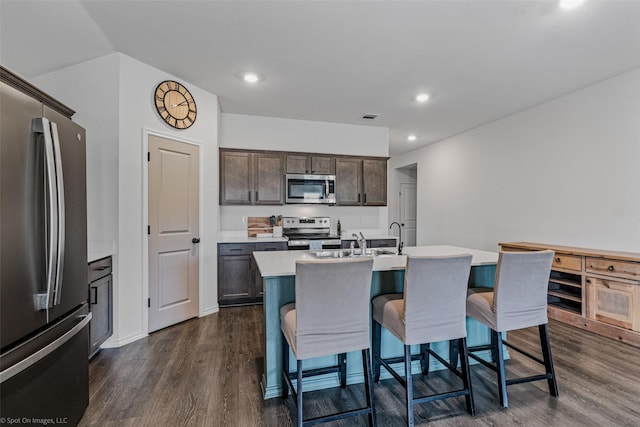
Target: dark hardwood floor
{"type": "Point", "coordinates": [206, 372]}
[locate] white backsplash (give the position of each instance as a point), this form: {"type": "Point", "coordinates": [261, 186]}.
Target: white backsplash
{"type": "Point", "coordinates": [371, 220]}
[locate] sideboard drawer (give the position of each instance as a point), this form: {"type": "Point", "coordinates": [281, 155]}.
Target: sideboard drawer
{"type": "Point", "coordinates": [568, 262]}
{"type": "Point", "coordinates": [616, 268]}
{"type": "Point", "coordinates": [614, 302]}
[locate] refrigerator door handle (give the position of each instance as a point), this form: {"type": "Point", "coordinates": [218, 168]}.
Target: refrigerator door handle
{"type": "Point", "coordinates": [60, 213]}
{"type": "Point", "coordinates": [45, 351]}
{"type": "Point", "coordinates": [41, 125]}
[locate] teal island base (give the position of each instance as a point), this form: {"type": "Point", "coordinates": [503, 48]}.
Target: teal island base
{"type": "Point", "coordinates": [280, 290]}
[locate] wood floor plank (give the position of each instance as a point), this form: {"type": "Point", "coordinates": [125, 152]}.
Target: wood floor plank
{"type": "Point", "coordinates": [206, 372]}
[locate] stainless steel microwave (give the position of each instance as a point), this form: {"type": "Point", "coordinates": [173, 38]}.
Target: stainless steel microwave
{"type": "Point", "coordinates": [303, 188]}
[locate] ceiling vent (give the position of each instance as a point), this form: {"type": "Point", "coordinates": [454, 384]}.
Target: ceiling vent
{"type": "Point", "coordinates": [369, 116]}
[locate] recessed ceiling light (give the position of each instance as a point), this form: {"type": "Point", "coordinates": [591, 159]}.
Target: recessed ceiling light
{"type": "Point", "coordinates": [412, 138]}
{"type": "Point", "coordinates": [422, 97]}
{"type": "Point", "coordinates": [250, 77]}
{"type": "Point", "coordinates": [570, 4]}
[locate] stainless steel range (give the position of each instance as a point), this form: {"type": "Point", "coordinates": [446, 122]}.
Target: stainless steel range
{"type": "Point", "coordinates": [311, 231]}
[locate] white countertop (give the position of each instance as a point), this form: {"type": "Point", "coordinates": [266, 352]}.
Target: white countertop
{"type": "Point", "coordinates": [247, 239]}
{"type": "Point", "coordinates": [94, 256]}
{"type": "Point", "coordinates": [283, 263]}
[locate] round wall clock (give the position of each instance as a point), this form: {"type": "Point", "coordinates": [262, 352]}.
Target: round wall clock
{"type": "Point", "coordinates": [175, 104]}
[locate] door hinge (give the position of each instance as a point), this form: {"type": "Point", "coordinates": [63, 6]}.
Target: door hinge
{"type": "Point", "coordinates": [148, 156]}
{"type": "Point", "coordinates": [148, 302]}
{"type": "Point", "coordinates": [149, 229]}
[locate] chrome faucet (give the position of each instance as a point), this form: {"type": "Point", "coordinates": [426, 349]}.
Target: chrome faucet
{"type": "Point", "coordinates": [362, 242]}
{"type": "Point", "coordinates": [400, 243]}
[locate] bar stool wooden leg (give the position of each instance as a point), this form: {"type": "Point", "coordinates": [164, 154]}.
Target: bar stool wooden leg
{"type": "Point", "coordinates": [424, 358]}
{"type": "Point", "coordinates": [548, 360]}
{"type": "Point", "coordinates": [453, 354]}
{"type": "Point", "coordinates": [377, 334]}
{"type": "Point", "coordinates": [494, 348]}
{"type": "Point", "coordinates": [466, 375]}
{"type": "Point", "coordinates": [285, 368]}
{"type": "Point", "coordinates": [299, 394]}
{"type": "Point", "coordinates": [502, 379]}
{"type": "Point", "coordinates": [409, 387]}
{"type": "Point", "coordinates": [368, 384]}
{"type": "Point", "coordinates": [342, 363]}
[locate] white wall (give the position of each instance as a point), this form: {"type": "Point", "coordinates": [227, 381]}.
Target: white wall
{"type": "Point", "coordinates": [269, 133]}
{"type": "Point", "coordinates": [121, 125]}
{"type": "Point", "coordinates": [564, 172]}
{"type": "Point", "coordinates": [91, 89]}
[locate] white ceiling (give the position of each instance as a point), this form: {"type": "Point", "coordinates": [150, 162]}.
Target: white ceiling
{"type": "Point", "coordinates": [336, 60]}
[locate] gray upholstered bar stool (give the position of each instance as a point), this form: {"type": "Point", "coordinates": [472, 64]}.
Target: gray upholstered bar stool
{"type": "Point", "coordinates": [330, 316]}
{"type": "Point", "coordinates": [518, 300]}
{"type": "Point", "coordinates": [431, 309]}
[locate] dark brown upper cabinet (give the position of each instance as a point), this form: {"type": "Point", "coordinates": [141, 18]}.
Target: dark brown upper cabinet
{"type": "Point", "coordinates": [310, 164]}
{"type": "Point", "coordinates": [374, 182]}
{"type": "Point", "coordinates": [361, 182]}
{"type": "Point", "coordinates": [257, 177]}
{"type": "Point", "coordinates": [348, 182]}
{"type": "Point", "coordinates": [251, 178]}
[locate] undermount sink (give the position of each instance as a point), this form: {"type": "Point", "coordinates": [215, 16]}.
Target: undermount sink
{"type": "Point", "coordinates": [346, 253]}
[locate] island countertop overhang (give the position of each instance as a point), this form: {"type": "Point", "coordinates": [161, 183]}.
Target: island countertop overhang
{"type": "Point", "coordinates": [283, 263]}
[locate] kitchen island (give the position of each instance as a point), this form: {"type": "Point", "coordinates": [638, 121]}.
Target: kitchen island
{"type": "Point", "coordinates": [278, 276]}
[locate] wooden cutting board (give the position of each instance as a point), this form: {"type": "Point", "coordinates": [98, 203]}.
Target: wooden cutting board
{"type": "Point", "coordinates": [258, 225]}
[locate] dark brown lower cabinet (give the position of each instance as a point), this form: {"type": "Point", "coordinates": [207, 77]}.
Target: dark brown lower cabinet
{"type": "Point", "coordinates": [239, 280]}
{"type": "Point", "coordinates": [100, 303]}
{"type": "Point", "coordinates": [372, 243]}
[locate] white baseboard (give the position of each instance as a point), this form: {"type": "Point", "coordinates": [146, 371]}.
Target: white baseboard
{"type": "Point", "coordinates": [115, 343]}
{"type": "Point", "coordinates": [209, 311]}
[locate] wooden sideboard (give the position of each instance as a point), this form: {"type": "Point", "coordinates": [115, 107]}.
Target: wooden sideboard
{"type": "Point", "coordinates": [597, 290]}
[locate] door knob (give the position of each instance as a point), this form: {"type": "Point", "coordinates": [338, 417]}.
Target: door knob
{"type": "Point", "coordinates": [195, 240]}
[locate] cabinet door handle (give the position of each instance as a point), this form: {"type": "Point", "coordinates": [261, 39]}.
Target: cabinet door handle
{"type": "Point", "coordinates": [94, 301]}
{"type": "Point", "coordinates": [358, 197]}
{"type": "Point", "coordinates": [235, 249]}
{"type": "Point", "coordinates": [101, 268]}
{"type": "Point", "coordinates": [365, 198]}
{"type": "Point", "coordinates": [256, 196]}
{"type": "Point", "coordinates": [195, 240]}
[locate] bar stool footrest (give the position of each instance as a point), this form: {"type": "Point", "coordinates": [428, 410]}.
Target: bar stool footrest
{"type": "Point", "coordinates": [440, 396]}
{"type": "Point", "coordinates": [335, 417]}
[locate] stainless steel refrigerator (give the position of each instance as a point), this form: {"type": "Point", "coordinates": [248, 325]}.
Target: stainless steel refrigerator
{"type": "Point", "coordinates": [43, 260]}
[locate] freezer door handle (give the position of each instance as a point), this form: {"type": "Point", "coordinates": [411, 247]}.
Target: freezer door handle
{"type": "Point", "coordinates": [45, 351]}
{"type": "Point", "coordinates": [60, 211]}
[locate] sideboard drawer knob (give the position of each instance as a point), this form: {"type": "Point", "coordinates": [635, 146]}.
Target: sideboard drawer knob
{"type": "Point", "coordinates": [610, 268]}
{"type": "Point", "coordinates": [558, 260]}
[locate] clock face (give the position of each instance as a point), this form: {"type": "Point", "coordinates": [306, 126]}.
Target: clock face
{"type": "Point", "coordinates": [175, 104]}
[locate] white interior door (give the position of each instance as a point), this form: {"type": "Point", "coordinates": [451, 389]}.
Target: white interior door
{"type": "Point", "coordinates": [173, 232]}
{"type": "Point", "coordinates": [408, 213]}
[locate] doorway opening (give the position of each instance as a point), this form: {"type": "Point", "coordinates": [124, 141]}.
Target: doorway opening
{"type": "Point", "coordinates": [407, 203]}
